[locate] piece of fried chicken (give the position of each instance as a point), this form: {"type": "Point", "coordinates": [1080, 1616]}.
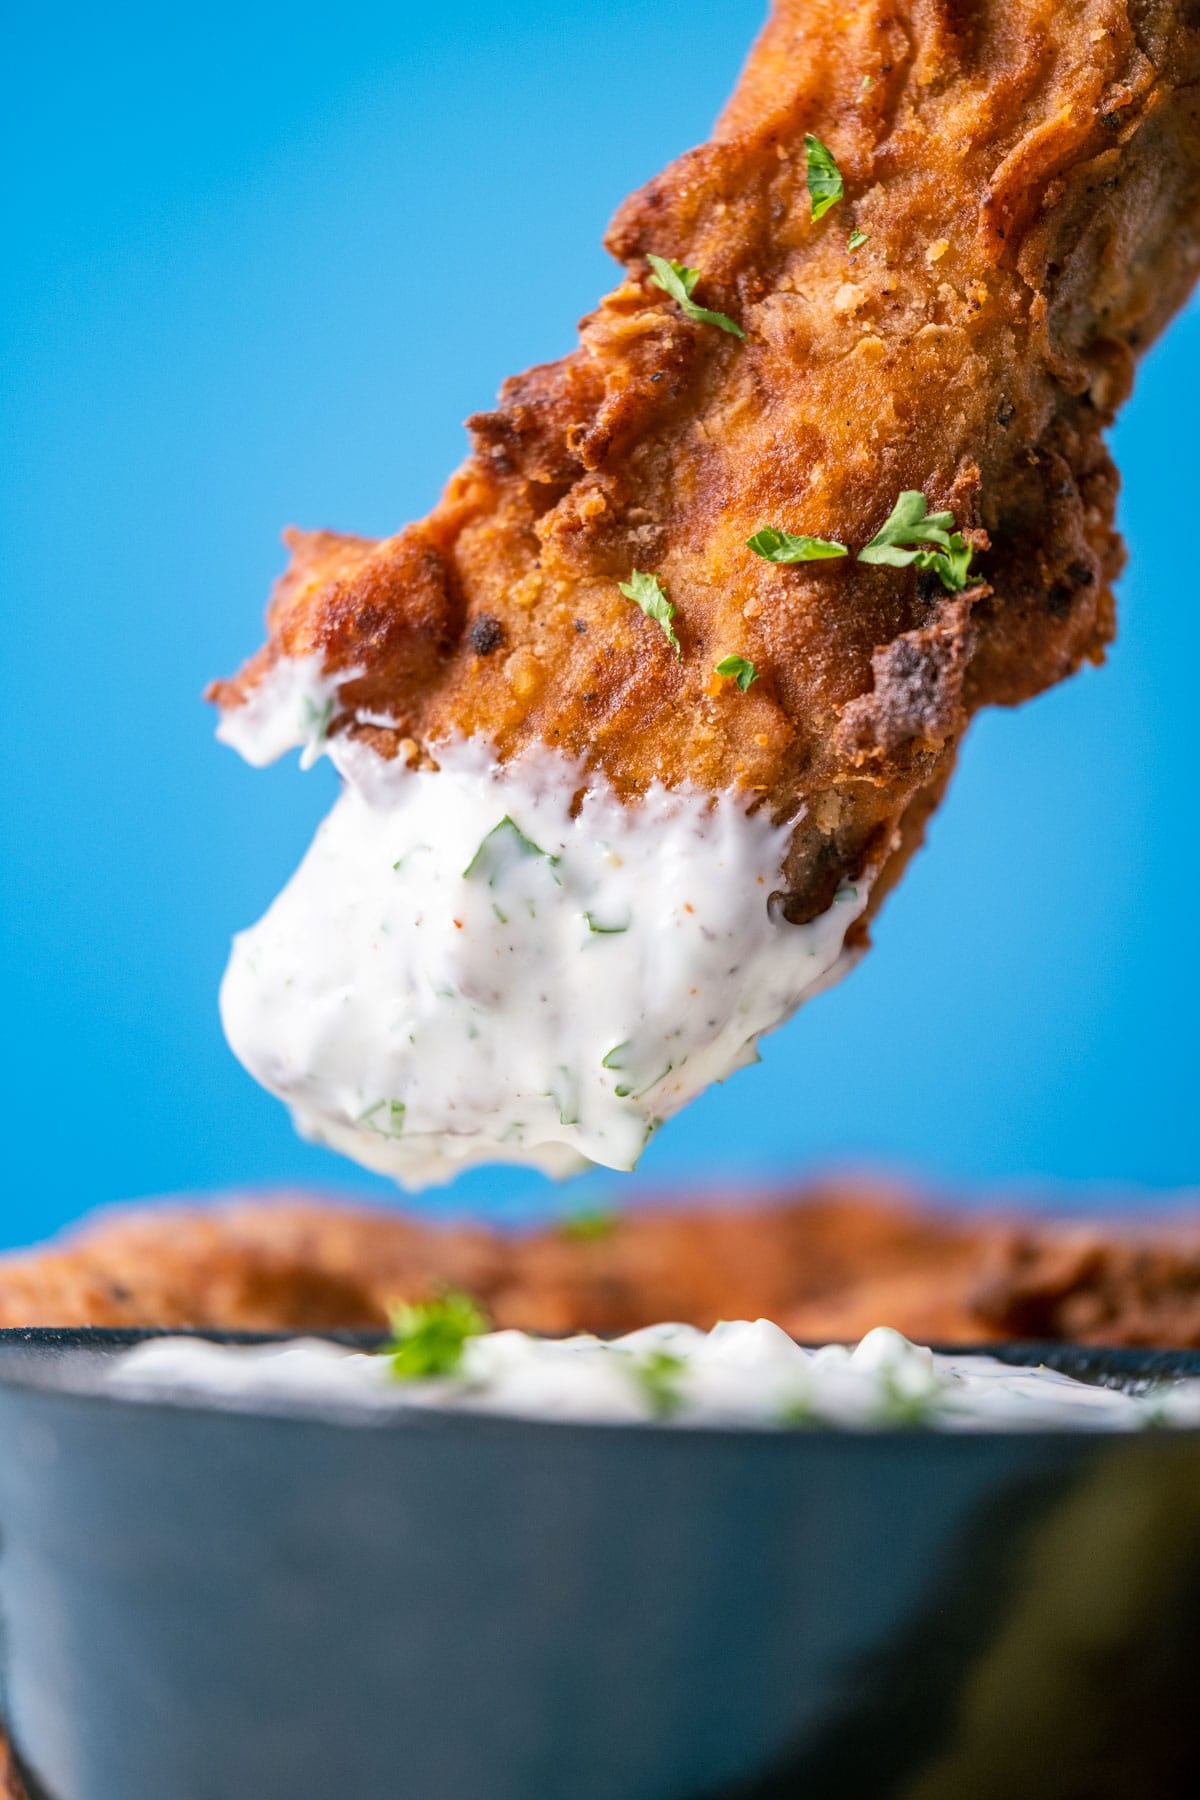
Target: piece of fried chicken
{"type": "Point", "coordinates": [1022, 181]}
{"type": "Point", "coordinates": [827, 1261]}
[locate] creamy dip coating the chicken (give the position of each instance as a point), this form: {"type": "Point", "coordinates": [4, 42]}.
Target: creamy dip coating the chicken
{"type": "Point", "coordinates": [497, 962]}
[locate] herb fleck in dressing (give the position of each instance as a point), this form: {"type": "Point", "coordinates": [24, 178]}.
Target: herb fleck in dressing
{"type": "Point", "coordinates": [470, 967]}
{"type": "Point", "coordinates": [290, 708]}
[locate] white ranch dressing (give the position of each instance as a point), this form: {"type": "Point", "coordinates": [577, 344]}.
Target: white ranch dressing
{"type": "Point", "coordinates": [505, 962]}
{"type": "Point", "coordinates": [742, 1373]}
{"type": "Point", "coordinates": [288, 708]}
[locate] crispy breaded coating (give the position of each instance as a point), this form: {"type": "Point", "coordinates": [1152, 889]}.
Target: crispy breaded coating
{"type": "Point", "coordinates": [1027, 177]}
{"type": "Point", "coordinates": [827, 1262]}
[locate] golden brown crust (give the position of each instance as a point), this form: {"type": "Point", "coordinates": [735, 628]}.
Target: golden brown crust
{"type": "Point", "coordinates": [829, 1262]}
{"type": "Point", "coordinates": [1028, 175]}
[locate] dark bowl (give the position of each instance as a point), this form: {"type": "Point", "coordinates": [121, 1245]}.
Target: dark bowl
{"type": "Point", "coordinates": [200, 1603]}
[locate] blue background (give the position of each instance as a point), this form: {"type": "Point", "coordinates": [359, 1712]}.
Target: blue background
{"type": "Point", "coordinates": [259, 262]}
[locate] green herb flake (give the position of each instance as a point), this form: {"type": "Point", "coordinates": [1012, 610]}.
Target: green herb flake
{"type": "Point", "coordinates": [777, 546]}
{"type": "Point", "coordinates": [868, 82]}
{"type": "Point", "coordinates": [317, 719]}
{"type": "Point", "coordinates": [857, 239]}
{"type": "Point", "coordinates": [899, 1408]}
{"type": "Point", "coordinates": [602, 930]}
{"type": "Point", "coordinates": [385, 1118]}
{"type": "Point", "coordinates": [1156, 1413]}
{"type": "Point", "coordinates": [629, 1092]}
{"type": "Point", "coordinates": [564, 1091]}
{"type": "Point", "coordinates": [738, 669]}
{"type": "Point", "coordinates": [620, 1060]}
{"type": "Point", "coordinates": [501, 850]}
{"type": "Point", "coordinates": [649, 593]}
{"type": "Point", "coordinates": [428, 1338]}
{"type": "Point", "coordinates": [797, 1414]}
{"type": "Point", "coordinates": [825, 187]}
{"type": "Point", "coordinates": [589, 1225]}
{"type": "Point", "coordinates": [413, 850]}
{"type": "Point", "coordinates": [679, 281]}
{"type": "Point", "coordinates": [901, 542]}
{"type": "Point", "coordinates": [657, 1375]}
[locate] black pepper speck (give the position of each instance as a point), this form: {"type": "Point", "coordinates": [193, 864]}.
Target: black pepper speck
{"type": "Point", "coordinates": [487, 634]}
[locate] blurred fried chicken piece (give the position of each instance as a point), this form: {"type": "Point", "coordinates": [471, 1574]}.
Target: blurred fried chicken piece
{"type": "Point", "coordinates": [827, 1263]}
{"type": "Point", "coordinates": [10, 1781]}
{"type": "Point", "coordinates": [1027, 177]}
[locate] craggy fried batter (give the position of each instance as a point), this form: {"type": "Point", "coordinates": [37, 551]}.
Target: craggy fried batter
{"type": "Point", "coordinates": [828, 1263]}
{"type": "Point", "coordinates": [1028, 177]}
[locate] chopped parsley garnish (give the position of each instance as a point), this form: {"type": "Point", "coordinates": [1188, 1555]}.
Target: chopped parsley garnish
{"type": "Point", "coordinates": [676, 279]}
{"type": "Point", "coordinates": [777, 546]}
{"type": "Point", "coordinates": [602, 930]}
{"type": "Point", "coordinates": [824, 177]}
{"type": "Point", "coordinates": [903, 540]}
{"type": "Point", "coordinates": [501, 850]}
{"type": "Point", "coordinates": [742, 672]}
{"type": "Point", "coordinates": [413, 850]}
{"type": "Point", "coordinates": [626, 1090]}
{"type": "Point", "coordinates": [857, 239]}
{"type": "Point", "coordinates": [650, 594]}
{"type": "Point", "coordinates": [589, 1225]}
{"type": "Point", "coordinates": [386, 1117]}
{"type": "Point", "coordinates": [428, 1337]}
{"type": "Point", "coordinates": [564, 1091]}
{"type": "Point", "coordinates": [317, 719]}
{"type": "Point", "coordinates": [799, 1414]}
{"type": "Point", "coordinates": [899, 1407]}
{"type": "Point", "coordinates": [619, 1059]}
{"type": "Point", "coordinates": [657, 1375]}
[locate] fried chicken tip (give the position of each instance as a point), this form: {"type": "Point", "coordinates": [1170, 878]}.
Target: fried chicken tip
{"type": "Point", "coordinates": [1022, 181]}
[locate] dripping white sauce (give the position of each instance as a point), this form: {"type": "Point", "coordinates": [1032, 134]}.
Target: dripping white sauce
{"type": "Point", "coordinates": [741, 1373]}
{"type": "Point", "coordinates": [289, 708]}
{"type": "Point", "coordinates": [505, 962]}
